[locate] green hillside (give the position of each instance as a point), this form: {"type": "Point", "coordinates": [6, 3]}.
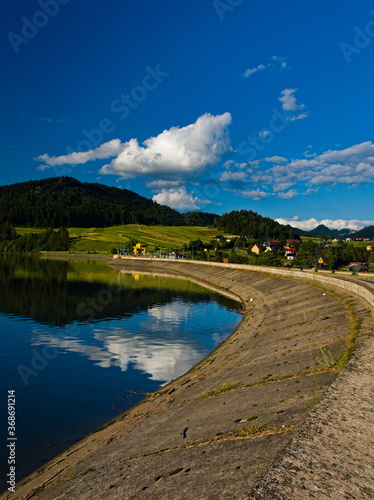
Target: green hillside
{"type": "Point", "coordinates": [106, 238]}
{"type": "Point", "coordinates": [66, 202]}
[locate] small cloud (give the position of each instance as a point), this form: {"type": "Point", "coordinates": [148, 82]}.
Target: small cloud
{"type": "Point", "coordinates": [163, 184]}
{"type": "Point", "coordinates": [276, 63]}
{"type": "Point", "coordinates": [255, 194]}
{"type": "Point", "coordinates": [250, 72]}
{"type": "Point", "coordinates": [310, 191]}
{"type": "Point", "coordinates": [276, 159]}
{"type": "Point", "coordinates": [298, 117]}
{"type": "Point", "coordinates": [287, 195]}
{"type": "Point", "coordinates": [264, 133]}
{"type": "Point", "coordinates": [289, 104]}
{"type": "Point", "coordinates": [289, 101]}
{"type": "Point", "coordinates": [235, 176]}
{"type": "Point", "coordinates": [228, 164]}
{"type": "Point", "coordinates": [179, 199]}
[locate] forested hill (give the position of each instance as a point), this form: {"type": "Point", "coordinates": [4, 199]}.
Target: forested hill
{"type": "Point", "coordinates": [366, 232]}
{"type": "Point", "coordinates": [253, 225]}
{"type": "Point", "coordinates": [66, 202]}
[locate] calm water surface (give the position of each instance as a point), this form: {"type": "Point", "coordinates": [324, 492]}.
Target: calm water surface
{"type": "Point", "coordinates": [77, 339]}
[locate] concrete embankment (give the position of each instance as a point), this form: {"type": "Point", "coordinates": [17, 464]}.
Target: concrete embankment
{"type": "Point", "coordinates": [248, 421]}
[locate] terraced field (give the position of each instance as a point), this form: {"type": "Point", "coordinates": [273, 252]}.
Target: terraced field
{"type": "Point", "coordinates": [105, 238]}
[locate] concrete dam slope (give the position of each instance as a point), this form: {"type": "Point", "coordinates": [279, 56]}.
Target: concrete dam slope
{"type": "Point", "coordinates": [269, 414]}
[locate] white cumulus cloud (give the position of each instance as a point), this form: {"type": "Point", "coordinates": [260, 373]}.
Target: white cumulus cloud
{"type": "Point", "coordinates": [179, 199]}
{"type": "Point", "coordinates": [176, 151]}
{"type": "Point", "coordinates": [106, 150]}
{"type": "Point", "coordinates": [352, 166]}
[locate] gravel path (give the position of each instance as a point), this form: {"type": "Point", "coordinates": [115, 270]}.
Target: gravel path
{"type": "Point", "coordinates": [332, 455]}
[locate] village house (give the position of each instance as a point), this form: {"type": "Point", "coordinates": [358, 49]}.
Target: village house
{"type": "Point", "coordinates": [290, 253]}
{"type": "Point", "coordinates": [272, 245]}
{"type": "Point", "coordinates": [257, 249]}
{"type": "Point", "coordinates": [358, 267]}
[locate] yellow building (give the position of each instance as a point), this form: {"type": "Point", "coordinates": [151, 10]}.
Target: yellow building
{"type": "Point", "coordinates": [138, 249]}
{"type": "Point", "coordinates": [256, 249]}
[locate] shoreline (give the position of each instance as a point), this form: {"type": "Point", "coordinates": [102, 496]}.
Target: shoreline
{"type": "Point", "coordinates": [228, 364]}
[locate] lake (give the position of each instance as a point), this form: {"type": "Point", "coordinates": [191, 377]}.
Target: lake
{"type": "Point", "coordinates": [81, 342]}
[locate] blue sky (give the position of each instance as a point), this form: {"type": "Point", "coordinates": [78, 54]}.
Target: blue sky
{"type": "Point", "coordinates": [213, 105]}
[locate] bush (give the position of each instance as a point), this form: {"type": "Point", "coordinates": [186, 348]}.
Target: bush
{"type": "Point", "coordinates": [238, 259]}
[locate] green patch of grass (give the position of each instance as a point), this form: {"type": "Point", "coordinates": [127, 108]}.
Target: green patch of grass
{"type": "Point", "coordinates": [29, 230]}
{"type": "Point", "coordinates": [327, 360]}
{"type": "Point", "coordinates": [352, 343]}
{"type": "Point", "coordinates": [227, 386]}
{"type": "Point", "coordinates": [257, 430]}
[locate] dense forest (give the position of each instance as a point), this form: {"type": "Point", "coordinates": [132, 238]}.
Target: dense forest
{"type": "Point", "coordinates": [334, 256]}
{"type": "Point", "coordinates": [254, 226]}
{"type": "Point", "coordinates": [48, 240]}
{"type": "Point", "coordinates": [66, 202]}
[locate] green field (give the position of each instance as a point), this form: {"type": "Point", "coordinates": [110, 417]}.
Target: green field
{"type": "Point", "coordinates": [103, 239]}
{"type": "Point", "coordinates": [106, 238]}
{"type": "Point", "coordinates": [316, 239]}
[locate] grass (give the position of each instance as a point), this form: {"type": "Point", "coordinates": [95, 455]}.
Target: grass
{"type": "Point", "coordinates": [327, 360]}
{"type": "Point", "coordinates": [316, 239]}
{"type": "Point", "coordinates": [352, 343]}
{"type": "Point", "coordinates": [227, 386]}
{"type": "Point", "coordinates": [105, 238]}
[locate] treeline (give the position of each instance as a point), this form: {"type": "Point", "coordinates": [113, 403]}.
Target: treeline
{"type": "Point", "coordinates": [66, 202]}
{"type": "Point", "coordinates": [335, 256]}
{"type": "Point", "coordinates": [254, 226]}
{"type": "Point", "coordinates": [48, 240]}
